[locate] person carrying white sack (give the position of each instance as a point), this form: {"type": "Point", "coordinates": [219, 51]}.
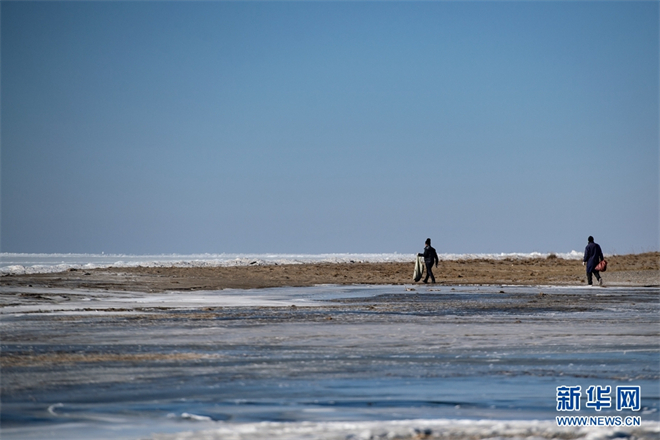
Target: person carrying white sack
{"type": "Point", "coordinates": [430, 257]}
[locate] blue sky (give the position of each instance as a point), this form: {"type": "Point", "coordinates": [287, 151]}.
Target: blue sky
{"type": "Point", "coordinates": [313, 127]}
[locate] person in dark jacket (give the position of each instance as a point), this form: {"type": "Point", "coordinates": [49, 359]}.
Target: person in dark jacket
{"type": "Point", "coordinates": [430, 257]}
{"type": "Point", "coordinates": [592, 256]}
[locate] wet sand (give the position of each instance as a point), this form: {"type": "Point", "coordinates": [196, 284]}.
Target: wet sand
{"type": "Point", "coordinates": [623, 270]}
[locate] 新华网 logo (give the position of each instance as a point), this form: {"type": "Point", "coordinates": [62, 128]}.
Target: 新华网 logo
{"type": "Point", "coordinates": [599, 397]}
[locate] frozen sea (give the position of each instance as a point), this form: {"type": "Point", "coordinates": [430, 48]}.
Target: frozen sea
{"type": "Point", "coordinates": [323, 362]}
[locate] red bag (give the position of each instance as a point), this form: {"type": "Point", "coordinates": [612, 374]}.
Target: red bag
{"type": "Point", "coordinates": [601, 267]}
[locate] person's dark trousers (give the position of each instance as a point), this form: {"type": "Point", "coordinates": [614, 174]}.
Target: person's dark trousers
{"type": "Point", "coordinates": [429, 271]}
{"type": "Point", "coordinates": [589, 279]}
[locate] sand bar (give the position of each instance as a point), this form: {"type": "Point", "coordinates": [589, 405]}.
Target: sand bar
{"type": "Point", "coordinates": [623, 270]}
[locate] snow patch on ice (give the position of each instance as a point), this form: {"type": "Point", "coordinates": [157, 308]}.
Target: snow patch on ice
{"type": "Point", "coordinates": [410, 429]}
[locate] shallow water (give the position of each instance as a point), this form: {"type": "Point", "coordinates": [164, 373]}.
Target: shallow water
{"type": "Point", "coordinates": [307, 362]}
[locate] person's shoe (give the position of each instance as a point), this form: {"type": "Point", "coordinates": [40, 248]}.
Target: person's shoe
{"type": "Point", "coordinates": [600, 282]}
{"type": "Point", "coordinates": [425, 282]}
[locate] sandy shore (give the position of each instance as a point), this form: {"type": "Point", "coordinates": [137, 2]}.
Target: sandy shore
{"type": "Point", "coordinates": [623, 270]}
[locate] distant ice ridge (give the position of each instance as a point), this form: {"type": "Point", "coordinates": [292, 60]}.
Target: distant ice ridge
{"type": "Point", "coordinates": [20, 263]}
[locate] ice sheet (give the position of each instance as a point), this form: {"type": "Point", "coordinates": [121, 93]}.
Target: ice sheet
{"type": "Point", "coordinates": [354, 362]}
